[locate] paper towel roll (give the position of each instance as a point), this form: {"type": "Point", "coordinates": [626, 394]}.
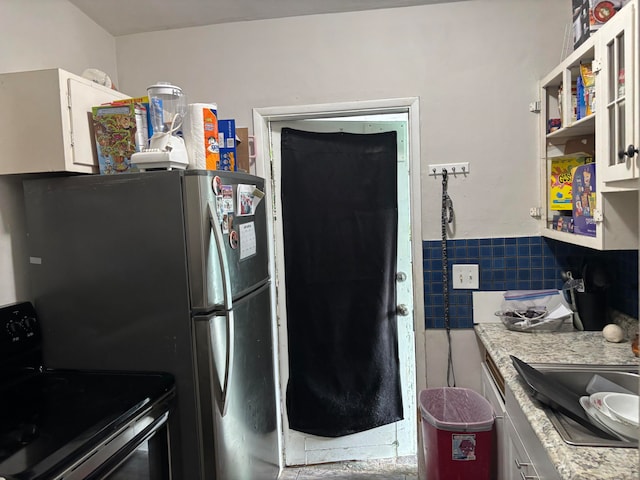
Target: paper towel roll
{"type": "Point", "coordinates": [201, 136]}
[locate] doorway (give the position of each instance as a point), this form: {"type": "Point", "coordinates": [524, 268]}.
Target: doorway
{"type": "Point", "coordinates": [396, 439]}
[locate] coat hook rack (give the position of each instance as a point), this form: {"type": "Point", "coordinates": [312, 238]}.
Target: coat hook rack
{"type": "Point", "coordinates": [453, 169]}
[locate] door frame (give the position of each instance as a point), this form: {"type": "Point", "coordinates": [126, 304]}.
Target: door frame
{"type": "Point", "coordinates": [262, 118]}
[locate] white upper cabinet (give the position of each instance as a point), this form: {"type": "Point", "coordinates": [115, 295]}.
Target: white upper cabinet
{"type": "Point", "coordinates": [617, 107]}
{"type": "Point", "coordinates": [46, 123]}
{"type": "Point", "coordinates": [605, 127]}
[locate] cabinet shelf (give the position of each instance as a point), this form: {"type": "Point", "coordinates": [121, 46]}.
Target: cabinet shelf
{"type": "Point", "coordinates": [584, 126]}
{"type": "Point", "coordinates": [580, 240]}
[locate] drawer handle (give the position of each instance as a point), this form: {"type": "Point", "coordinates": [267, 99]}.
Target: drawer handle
{"type": "Point", "coordinates": [529, 477]}
{"type": "Point", "coordinates": [520, 464]}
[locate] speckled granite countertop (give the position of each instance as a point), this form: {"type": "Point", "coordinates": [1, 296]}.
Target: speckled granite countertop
{"type": "Point", "coordinates": [565, 346]}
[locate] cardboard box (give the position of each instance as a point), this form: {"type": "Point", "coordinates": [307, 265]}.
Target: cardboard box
{"type": "Point", "coordinates": [560, 181]}
{"type": "Point", "coordinates": [563, 223]}
{"type": "Point", "coordinates": [144, 101]}
{"type": "Point", "coordinates": [584, 199]}
{"type": "Point", "coordinates": [590, 15]}
{"type": "Point", "coordinates": [242, 150]}
{"type": "Point", "coordinates": [227, 145]}
{"type": "Point", "coordinates": [120, 131]}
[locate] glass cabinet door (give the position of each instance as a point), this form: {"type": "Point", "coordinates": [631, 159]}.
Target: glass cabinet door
{"type": "Point", "coordinates": [615, 107]}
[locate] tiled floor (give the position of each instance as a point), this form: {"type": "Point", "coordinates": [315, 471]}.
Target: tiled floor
{"type": "Point", "coordinates": [403, 468]}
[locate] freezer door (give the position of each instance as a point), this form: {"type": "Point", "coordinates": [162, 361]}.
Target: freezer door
{"type": "Point", "coordinates": [227, 251]}
{"type": "Point", "coordinates": [236, 385]}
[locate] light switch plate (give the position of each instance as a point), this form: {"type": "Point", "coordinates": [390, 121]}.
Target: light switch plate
{"type": "Point", "coordinates": [465, 276]}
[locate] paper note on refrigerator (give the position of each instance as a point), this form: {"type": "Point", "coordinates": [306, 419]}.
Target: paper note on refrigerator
{"type": "Point", "coordinates": [248, 199]}
{"type": "Point", "coordinates": [247, 239]}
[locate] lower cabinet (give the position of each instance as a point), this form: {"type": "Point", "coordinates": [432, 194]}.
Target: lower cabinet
{"type": "Point", "coordinates": [491, 392]}
{"type": "Point", "coordinates": [519, 453]}
{"type": "Point", "coordinates": [519, 465]}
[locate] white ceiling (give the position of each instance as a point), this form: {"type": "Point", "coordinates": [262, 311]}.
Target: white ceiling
{"type": "Point", "coordinates": [123, 17]}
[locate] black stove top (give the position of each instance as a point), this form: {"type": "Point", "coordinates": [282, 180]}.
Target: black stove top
{"type": "Point", "coordinates": [51, 418]}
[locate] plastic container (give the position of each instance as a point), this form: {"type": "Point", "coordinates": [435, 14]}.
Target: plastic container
{"type": "Point", "coordinates": [523, 322]}
{"type": "Point", "coordinates": [168, 106]}
{"type": "Point", "coordinates": [457, 431]}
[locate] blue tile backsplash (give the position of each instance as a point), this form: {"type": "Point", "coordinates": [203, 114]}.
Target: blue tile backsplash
{"type": "Point", "coordinates": [520, 263]}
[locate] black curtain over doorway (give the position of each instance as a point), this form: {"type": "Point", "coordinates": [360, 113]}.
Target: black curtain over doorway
{"type": "Point", "coordinates": [339, 216]}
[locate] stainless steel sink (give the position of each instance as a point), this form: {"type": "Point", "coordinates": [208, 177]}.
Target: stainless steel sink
{"type": "Point", "coordinates": [576, 377]}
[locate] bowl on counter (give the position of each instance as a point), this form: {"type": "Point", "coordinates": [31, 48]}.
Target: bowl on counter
{"type": "Point", "coordinates": [592, 413]}
{"type": "Point", "coordinates": [623, 407]}
{"type": "Point", "coordinates": [531, 321]}
{"type": "Point", "coordinates": [604, 415]}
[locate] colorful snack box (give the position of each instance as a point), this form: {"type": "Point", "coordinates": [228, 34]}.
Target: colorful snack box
{"type": "Point", "coordinates": [227, 144]}
{"type": "Point", "coordinates": [560, 192]}
{"type": "Point", "coordinates": [584, 199]}
{"type": "Point", "coordinates": [120, 131]}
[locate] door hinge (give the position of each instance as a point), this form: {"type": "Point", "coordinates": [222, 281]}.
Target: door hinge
{"type": "Point", "coordinates": [597, 215]}
{"type": "Point", "coordinates": [534, 107]}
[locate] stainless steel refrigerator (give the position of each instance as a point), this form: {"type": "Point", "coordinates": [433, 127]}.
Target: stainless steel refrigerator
{"type": "Point", "coordinates": [166, 271]}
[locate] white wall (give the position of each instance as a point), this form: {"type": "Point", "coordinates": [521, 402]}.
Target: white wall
{"type": "Point", "coordinates": [38, 34]}
{"type": "Point", "coordinates": [474, 65]}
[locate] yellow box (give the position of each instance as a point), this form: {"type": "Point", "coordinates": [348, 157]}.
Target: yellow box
{"type": "Point", "coordinates": [560, 181]}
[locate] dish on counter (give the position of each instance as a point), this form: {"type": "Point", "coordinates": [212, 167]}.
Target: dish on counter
{"type": "Point", "coordinates": [555, 395]}
{"type": "Point", "coordinates": [592, 413]}
{"type": "Point", "coordinates": [630, 432]}
{"type": "Point", "coordinates": [623, 407]}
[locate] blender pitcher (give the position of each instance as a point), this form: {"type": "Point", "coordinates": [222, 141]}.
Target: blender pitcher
{"type": "Point", "coordinates": [168, 107]}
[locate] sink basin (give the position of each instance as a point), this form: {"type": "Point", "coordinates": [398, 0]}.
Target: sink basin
{"type": "Point", "coordinates": [576, 377]}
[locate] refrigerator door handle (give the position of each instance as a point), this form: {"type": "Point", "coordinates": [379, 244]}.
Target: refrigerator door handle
{"type": "Point", "coordinates": [228, 367]}
{"type": "Point", "coordinates": [208, 357]}
{"type": "Point", "coordinates": [222, 257]}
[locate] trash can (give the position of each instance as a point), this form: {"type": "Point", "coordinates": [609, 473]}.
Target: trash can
{"type": "Point", "coordinates": [457, 432]}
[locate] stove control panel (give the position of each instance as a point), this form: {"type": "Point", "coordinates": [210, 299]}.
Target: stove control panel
{"type": "Point", "coordinates": [19, 328]}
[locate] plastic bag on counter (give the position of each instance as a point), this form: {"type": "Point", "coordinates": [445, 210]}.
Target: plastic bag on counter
{"type": "Point", "coordinates": [535, 304]}
{"type": "Point", "coordinates": [529, 310]}
{"type": "Point", "coordinates": [531, 304]}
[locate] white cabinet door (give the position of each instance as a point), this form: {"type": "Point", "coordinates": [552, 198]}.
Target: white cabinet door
{"type": "Point", "coordinates": [81, 97]}
{"type": "Point", "coordinates": [46, 121]}
{"type": "Point", "coordinates": [616, 104]}
{"type": "Point", "coordinates": [492, 394]}
{"type": "Point", "coordinates": [519, 465]}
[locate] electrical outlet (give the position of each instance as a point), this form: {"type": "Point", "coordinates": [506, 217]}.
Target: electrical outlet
{"type": "Point", "coordinates": [465, 276]}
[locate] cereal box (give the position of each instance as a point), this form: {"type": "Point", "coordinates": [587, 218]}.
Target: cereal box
{"type": "Point", "coordinates": [227, 144]}
{"type": "Point", "coordinates": [120, 131]}
{"type": "Point", "coordinates": [560, 196]}
{"type": "Point", "coordinates": [584, 199]}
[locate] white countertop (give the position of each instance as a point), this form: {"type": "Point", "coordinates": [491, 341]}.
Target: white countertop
{"type": "Point", "coordinates": [565, 346]}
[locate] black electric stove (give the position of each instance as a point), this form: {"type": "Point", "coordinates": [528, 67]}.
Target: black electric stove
{"type": "Point", "coordinates": [68, 424]}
